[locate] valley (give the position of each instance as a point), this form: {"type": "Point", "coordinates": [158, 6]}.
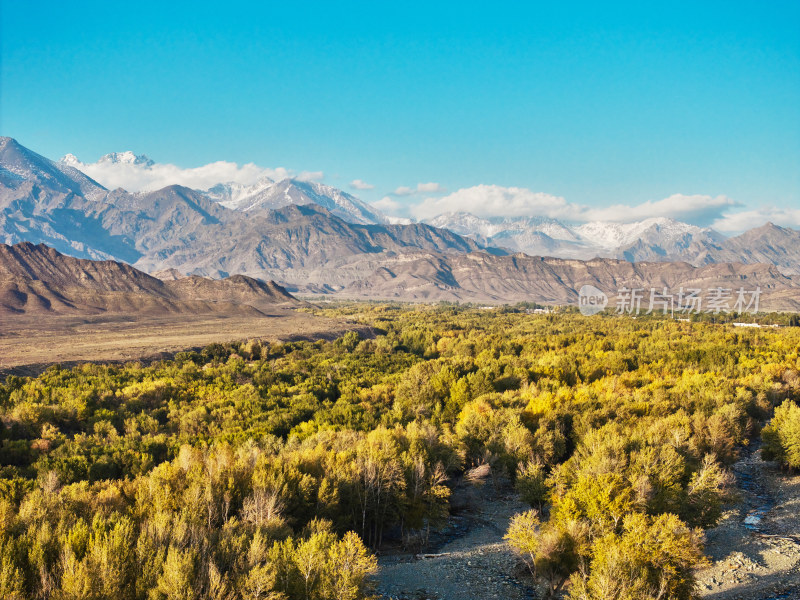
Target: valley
{"type": "Point", "coordinates": [428, 452]}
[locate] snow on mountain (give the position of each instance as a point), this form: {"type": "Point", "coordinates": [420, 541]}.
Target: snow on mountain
{"type": "Point", "coordinates": [267, 194]}
{"type": "Point", "coordinates": [70, 160]}
{"type": "Point", "coordinates": [19, 164]}
{"type": "Point", "coordinates": [238, 196]}
{"type": "Point", "coordinates": [254, 188]}
{"type": "Point", "coordinates": [531, 235]}
{"type": "Point", "coordinates": [465, 223]}
{"type": "Point", "coordinates": [117, 158]}
{"type": "Point", "coordinates": [609, 236]}
{"type": "Point", "coordinates": [127, 158]}
{"type": "Point", "coordinates": [650, 239]}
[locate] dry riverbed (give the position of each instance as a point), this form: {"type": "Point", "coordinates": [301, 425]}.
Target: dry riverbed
{"type": "Point", "coordinates": [468, 559]}
{"type": "Point", "coordinates": [756, 547]}
{"type": "Point", "coordinates": [754, 551]}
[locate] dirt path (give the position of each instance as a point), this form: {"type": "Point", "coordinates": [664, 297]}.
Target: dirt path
{"type": "Point", "coordinates": [756, 547]}
{"type": "Point", "coordinates": [473, 561]}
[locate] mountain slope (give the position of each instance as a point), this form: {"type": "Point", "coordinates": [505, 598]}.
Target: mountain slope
{"type": "Point", "coordinates": [286, 244]}
{"type": "Point", "coordinates": [21, 167]}
{"type": "Point", "coordinates": [485, 278]}
{"type": "Point", "coordinates": [768, 244]}
{"type": "Point", "coordinates": [267, 194]}
{"type": "Point", "coordinates": [40, 280]}
{"type": "Point", "coordinates": [181, 228]}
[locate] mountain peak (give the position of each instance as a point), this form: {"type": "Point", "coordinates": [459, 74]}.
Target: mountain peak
{"type": "Point", "coordinates": [70, 159]}
{"type": "Point", "coordinates": [770, 226]}
{"type": "Point", "coordinates": [6, 141]}
{"type": "Point", "coordinates": [769, 231]}
{"type": "Point", "coordinates": [127, 157]}
{"type": "Point", "coordinates": [267, 194]}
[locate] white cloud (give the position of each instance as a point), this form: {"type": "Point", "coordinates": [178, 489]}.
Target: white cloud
{"type": "Point", "coordinates": [310, 176]}
{"type": "Point", "coordinates": [494, 200]}
{"type": "Point", "coordinates": [387, 205]}
{"type": "Point", "coordinates": [144, 177]}
{"type": "Point", "coordinates": [358, 184]}
{"type": "Point", "coordinates": [430, 188]}
{"type": "Point", "coordinates": [697, 209]}
{"type": "Point", "coordinates": [427, 188]}
{"type": "Point", "coordinates": [742, 221]}
{"type": "Point", "coordinates": [499, 201]}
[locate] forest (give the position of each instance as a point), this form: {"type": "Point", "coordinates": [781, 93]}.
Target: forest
{"type": "Point", "coordinates": [278, 470]}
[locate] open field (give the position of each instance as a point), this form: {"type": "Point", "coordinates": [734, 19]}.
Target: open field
{"type": "Point", "coordinates": [29, 344]}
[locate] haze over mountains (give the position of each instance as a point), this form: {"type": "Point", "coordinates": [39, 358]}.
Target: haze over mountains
{"type": "Point", "coordinates": [314, 238]}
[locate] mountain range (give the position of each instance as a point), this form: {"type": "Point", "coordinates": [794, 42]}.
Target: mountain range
{"type": "Point", "coordinates": [656, 239]}
{"type": "Point", "coordinates": [312, 238]}
{"type": "Point", "coordinates": [653, 239]}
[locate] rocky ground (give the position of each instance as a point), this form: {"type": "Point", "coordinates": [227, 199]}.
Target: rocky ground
{"type": "Point", "coordinates": [468, 559]}
{"type": "Point", "coordinates": [755, 550]}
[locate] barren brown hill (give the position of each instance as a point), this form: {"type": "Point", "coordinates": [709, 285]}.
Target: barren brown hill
{"type": "Point", "coordinates": [36, 279]}
{"type": "Point", "coordinates": [238, 289]}
{"type": "Point", "coordinates": [485, 278]}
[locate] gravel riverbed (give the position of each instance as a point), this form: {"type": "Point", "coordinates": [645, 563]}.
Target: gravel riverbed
{"type": "Point", "coordinates": [469, 559]}
{"type": "Point", "coordinates": [755, 549]}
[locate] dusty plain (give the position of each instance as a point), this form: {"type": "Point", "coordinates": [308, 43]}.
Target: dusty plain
{"type": "Point", "coordinates": [28, 344]}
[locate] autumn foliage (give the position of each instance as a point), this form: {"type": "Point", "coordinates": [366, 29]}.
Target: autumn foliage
{"type": "Point", "coordinates": [255, 470]}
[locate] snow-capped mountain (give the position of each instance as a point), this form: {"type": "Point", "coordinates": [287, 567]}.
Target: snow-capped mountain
{"type": "Point", "coordinates": [250, 191]}
{"type": "Point", "coordinates": [139, 173]}
{"type": "Point", "coordinates": [267, 194]}
{"type": "Point", "coordinates": [531, 235]}
{"type": "Point", "coordinates": [119, 158]}
{"type": "Point", "coordinates": [610, 236]}
{"type": "Point", "coordinates": [465, 223]}
{"type": "Point", "coordinates": [650, 239]}
{"type": "Point", "coordinates": [127, 158]}
{"type": "Point", "coordinates": [310, 249]}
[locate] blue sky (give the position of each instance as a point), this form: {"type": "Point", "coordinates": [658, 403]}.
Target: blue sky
{"type": "Point", "coordinates": [600, 104]}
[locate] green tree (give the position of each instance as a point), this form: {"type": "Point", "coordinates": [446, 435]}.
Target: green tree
{"type": "Point", "coordinates": [651, 558]}
{"type": "Point", "coordinates": [177, 581]}
{"type": "Point", "coordinates": [781, 437]}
